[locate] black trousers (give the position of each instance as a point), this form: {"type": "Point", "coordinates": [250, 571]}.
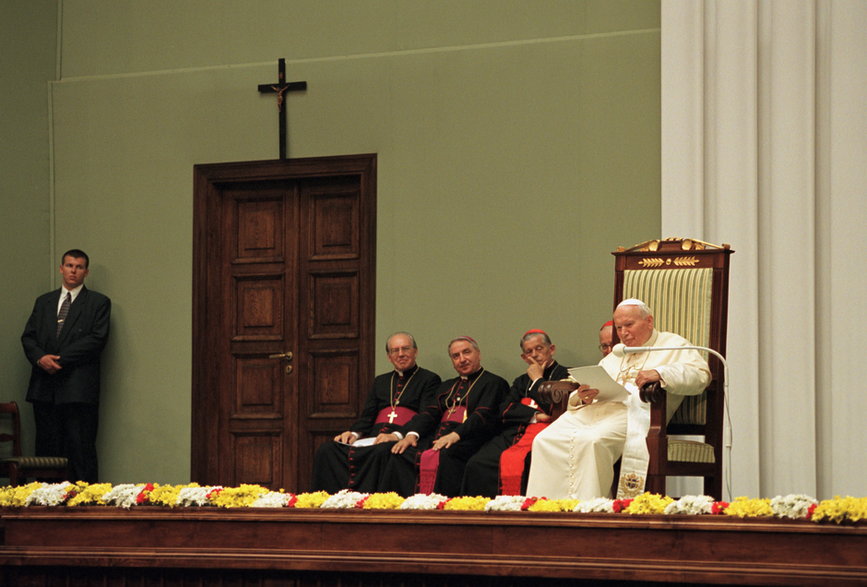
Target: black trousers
{"type": "Point", "coordinates": [69, 430]}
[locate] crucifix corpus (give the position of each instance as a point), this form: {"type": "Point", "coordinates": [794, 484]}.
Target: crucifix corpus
{"type": "Point", "coordinates": [280, 88]}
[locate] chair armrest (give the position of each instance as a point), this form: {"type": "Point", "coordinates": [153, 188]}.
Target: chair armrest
{"type": "Point", "coordinates": [651, 393]}
{"type": "Point", "coordinates": [657, 438]}
{"type": "Point", "coordinates": [556, 391]}
{"type": "Point", "coordinates": [557, 394]}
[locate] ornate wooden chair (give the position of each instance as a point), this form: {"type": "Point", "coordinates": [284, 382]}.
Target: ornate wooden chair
{"type": "Point", "coordinates": [685, 283]}
{"type": "Point", "coordinates": [19, 468]}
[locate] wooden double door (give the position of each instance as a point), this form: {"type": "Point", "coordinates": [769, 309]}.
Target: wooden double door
{"type": "Point", "coordinates": [283, 314]}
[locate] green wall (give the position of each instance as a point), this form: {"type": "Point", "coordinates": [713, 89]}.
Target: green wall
{"type": "Point", "coordinates": [28, 61]}
{"type": "Point", "coordinates": [517, 142]}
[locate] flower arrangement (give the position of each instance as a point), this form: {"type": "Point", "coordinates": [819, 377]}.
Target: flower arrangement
{"type": "Point", "coordinates": [344, 499]}
{"type": "Point", "coordinates": [506, 503]}
{"type": "Point", "coordinates": [648, 503]}
{"type": "Point", "coordinates": [597, 505]}
{"type": "Point", "coordinates": [744, 507]}
{"type": "Point", "coordinates": [838, 510]}
{"type": "Point", "coordinates": [476, 504]}
{"type": "Point", "coordinates": [421, 501]}
{"type": "Point", "coordinates": [691, 505]}
{"type": "Point", "coordinates": [552, 505]}
{"type": "Point", "coordinates": [383, 501]}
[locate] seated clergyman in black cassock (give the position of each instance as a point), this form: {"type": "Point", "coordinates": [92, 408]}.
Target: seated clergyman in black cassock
{"type": "Point", "coordinates": [461, 419]}
{"type": "Point", "coordinates": [349, 461]}
{"type": "Point", "coordinates": [499, 467]}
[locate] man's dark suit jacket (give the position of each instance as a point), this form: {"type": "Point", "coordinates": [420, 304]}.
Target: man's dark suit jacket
{"type": "Point", "coordinates": [80, 344]}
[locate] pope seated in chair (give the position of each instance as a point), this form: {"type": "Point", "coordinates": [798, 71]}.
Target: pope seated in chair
{"type": "Point", "coordinates": [574, 457]}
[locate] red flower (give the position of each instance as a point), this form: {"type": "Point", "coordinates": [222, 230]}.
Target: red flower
{"type": "Point", "coordinates": [810, 510]}
{"type": "Point", "coordinates": [142, 497]}
{"type": "Point", "coordinates": [213, 493]}
{"type": "Point", "coordinates": [528, 502]}
{"type": "Point", "coordinates": [442, 505]}
{"type": "Point", "coordinates": [292, 501]}
{"type": "Point", "coordinates": [621, 504]}
{"type": "Point", "coordinates": [360, 503]}
{"type": "Point", "coordinates": [719, 507]}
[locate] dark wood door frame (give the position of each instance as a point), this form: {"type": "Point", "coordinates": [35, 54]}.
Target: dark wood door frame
{"type": "Point", "coordinates": [209, 181]}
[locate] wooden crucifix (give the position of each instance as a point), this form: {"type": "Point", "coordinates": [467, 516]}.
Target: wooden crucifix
{"type": "Point", "coordinates": [280, 88]}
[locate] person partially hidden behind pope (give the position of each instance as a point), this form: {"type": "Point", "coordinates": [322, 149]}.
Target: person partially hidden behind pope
{"type": "Point", "coordinates": [574, 457]}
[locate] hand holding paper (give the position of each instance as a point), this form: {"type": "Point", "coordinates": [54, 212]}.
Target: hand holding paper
{"type": "Point", "coordinates": [597, 378]}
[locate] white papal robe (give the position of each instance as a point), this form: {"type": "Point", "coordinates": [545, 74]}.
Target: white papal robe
{"type": "Point", "coordinates": [574, 457]}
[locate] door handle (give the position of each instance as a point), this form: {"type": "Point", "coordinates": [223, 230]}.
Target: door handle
{"type": "Point", "coordinates": [287, 356]}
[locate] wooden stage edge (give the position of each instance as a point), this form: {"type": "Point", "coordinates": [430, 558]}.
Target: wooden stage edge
{"type": "Point", "coordinates": [445, 544]}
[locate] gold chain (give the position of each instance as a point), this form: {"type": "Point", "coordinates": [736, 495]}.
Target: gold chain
{"type": "Point", "coordinates": [457, 400]}
{"type": "Point", "coordinates": [394, 401]}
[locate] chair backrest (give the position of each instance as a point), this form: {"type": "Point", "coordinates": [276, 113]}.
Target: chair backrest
{"type": "Point", "coordinates": [685, 283]}
{"type": "Point", "coordinates": [11, 431]}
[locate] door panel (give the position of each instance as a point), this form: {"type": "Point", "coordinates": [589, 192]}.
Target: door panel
{"type": "Point", "coordinates": [283, 314]}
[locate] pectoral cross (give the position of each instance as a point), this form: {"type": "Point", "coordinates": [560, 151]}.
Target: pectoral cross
{"type": "Point", "coordinates": [392, 416]}
{"type": "Point", "coordinates": [280, 88]}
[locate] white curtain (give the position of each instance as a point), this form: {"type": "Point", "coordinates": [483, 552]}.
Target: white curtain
{"type": "Point", "coordinates": [764, 135]}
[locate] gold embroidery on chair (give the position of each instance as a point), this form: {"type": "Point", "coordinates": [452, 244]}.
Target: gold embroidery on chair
{"type": "Point", "coordinates": [651, 262]}
{"type": "Point", "coordinates": [686, 261]}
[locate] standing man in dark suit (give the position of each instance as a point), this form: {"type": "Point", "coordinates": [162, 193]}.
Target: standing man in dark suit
{"type": "Point", "coordinates": [63, 340]}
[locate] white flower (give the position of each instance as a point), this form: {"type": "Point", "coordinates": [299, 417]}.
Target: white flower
{"type": "Point", "coordinates": [123, 495]}
{"type": "Point", "coordinates": [49, 494]}
{"type": "Point", "coordinates": [195, 496]}
{"type": "Point", "coordinates": [599, 504]}
{"type": "Point", "coordinates": [794, 506]}
{"type": "Point", "coordinates": [691, 505]}
{"type": "Point", "coordinates": [422, 501]}
{"type": "Point", "coordinates": [272, 499]}
{"type": "Point", "coordinates": [505, 503]}
{"type": "Point", "coordinates": [344, 499]}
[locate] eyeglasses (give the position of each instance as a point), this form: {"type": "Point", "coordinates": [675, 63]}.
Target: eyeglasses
{"type": "Point", "coordinates": [605, 347]}
{"type": "Point", "coordinates": [398, 350]}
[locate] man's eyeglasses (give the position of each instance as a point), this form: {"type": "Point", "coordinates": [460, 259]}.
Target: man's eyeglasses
{"type": "Point", "coordinates": [605, 347]}
{"type": "Point", "coordinates": [398, 350]}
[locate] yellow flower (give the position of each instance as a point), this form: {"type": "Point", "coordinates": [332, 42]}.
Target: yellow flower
{"type": "Point", "coordinates": [17, 496]}
{"type": "Point", "coordinates": [311, 500]}
{"type": "Point", "coordinates": [239, 497]}
{"type": "Point", "coordinates": [568, 505]}
{"type": "Point", "coordinates": [89, 494]}
{"type": "Point", "coordinates": [166, 495]}
{"type": "Point", "coordinates": [840, 509]}
{"type": "Point", "coordinates": [648, 503]}
{"type": "Point", "coordinates": [383, 501]}
{"type": "Point", "coordinates": [467, 503]}
{"type": "Point", "coordinates": [6, 496]}
{"type": "Point", "coordinates": [545, 505]}
{"type": "Point", "coordinates": [744, 507]}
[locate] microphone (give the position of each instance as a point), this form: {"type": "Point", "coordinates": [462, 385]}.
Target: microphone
{"type": "Point", "coordinates": [620, 349]}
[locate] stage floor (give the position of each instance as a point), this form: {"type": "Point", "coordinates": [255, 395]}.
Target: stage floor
{"type": "Point", "coordinates": [108, 545]}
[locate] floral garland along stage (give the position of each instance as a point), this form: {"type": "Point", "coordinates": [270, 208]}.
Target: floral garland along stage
{"type": "Point", "coordinates": [796, 507]}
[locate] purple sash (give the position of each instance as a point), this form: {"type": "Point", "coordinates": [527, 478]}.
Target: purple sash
{"type": "Point", "coordinates": [430, 459]}
{"type": "Point", "coordinates": [402, 416]}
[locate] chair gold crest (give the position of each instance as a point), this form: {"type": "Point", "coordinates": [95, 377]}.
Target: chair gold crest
{"type": "Point", "coordinates": [685, 283]}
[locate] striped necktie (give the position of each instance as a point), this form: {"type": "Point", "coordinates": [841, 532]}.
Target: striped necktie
{"type": "Point", "coordinates": [64, 310]}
